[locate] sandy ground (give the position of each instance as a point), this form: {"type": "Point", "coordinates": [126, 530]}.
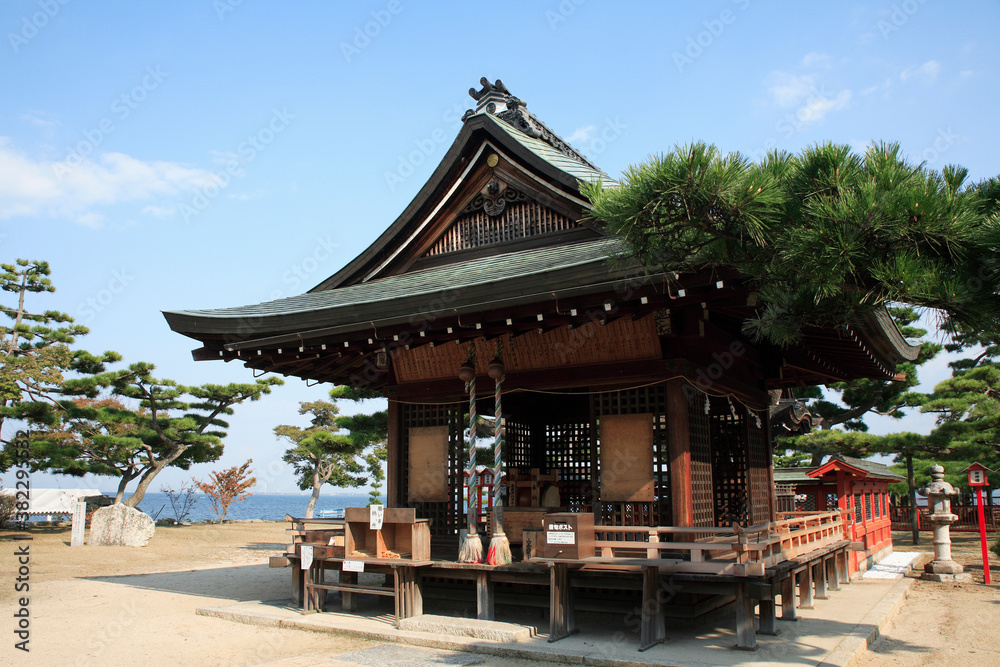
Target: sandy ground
{"type": "Point", "coordinates": [944, 624]}
{"type": "Point", "coordinates": [108, 605]}
{"type": "Point", "coordinates": [113, 605]}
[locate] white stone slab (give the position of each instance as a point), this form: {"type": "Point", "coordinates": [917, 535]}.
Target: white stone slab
{"type": "Point", "coordinates": [893, 566]}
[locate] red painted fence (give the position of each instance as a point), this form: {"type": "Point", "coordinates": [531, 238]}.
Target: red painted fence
{"type": "Point", "coordinates": [968, 520]}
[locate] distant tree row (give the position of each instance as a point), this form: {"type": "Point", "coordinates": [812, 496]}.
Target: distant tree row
{"type": "Point", "coordinates": [85, 418]}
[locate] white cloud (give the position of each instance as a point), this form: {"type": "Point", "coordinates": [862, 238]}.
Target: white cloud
{"type": "Point", "coordinates": [817, 59]}
{"type": "Point", "coordinates": [965, 73]}
{"type": "Point", "coordinates": [582, 134]}
{"type": "Point", "coordinates": [926, 73]}
{"type": "Point", "coordinates": [37, 119]}
{"type": "Point", "coordinates": [816, 108]}
{"type": "Point", "coordinates": [787, 90]}
{"type": "Point", "coordinates": [74, 188]}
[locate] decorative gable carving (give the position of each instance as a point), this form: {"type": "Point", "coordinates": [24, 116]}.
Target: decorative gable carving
{"type": "Point", "coordinates": [499, 213]}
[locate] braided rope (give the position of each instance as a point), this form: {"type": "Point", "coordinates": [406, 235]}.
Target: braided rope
{"type": "Point", "coordinates": [497, 434]}
{"type": "Point", "coordinates": [471, 468]}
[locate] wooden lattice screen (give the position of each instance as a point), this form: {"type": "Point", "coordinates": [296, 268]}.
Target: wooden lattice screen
{"type": "Point", "coordinates": [568, 449]}
{"type": "Point", "coordinates": [759, 460]}
{"type": "Point", "coordinates": [729, 461]}
{"type": "Point", "coordinates": [702, 490]}
{"type": "Point", "coordinates": [517, 442]}
{"type": "Point", "coordinates": [651, 400]}
{"type": "Point", "coordinates": [446, 517]}
{"type": "Point", "coordinates": [518, 220]}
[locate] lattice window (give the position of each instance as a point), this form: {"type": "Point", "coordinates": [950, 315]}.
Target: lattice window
{"type": "Point", "coordinates": [868, 507]}
{"type": "Point", "coordinates": [877, 502]}
{"type": "Point", "coordinates": [858, 516]}
{"type": "Point", "coordinates": [446, 517]}
{"type": "Point", "coordinates": [568, 450]}
{"type": "Point", "coordinates": [831, 501]}
{"type": "Point", "coordinates": [729, 462]}
{"type": "Point", "coordinates": [518, 220]}
{"type": "Point", "coordinates": [699, 428]}
{"type": "Point", "coordinates": [641, 401]}
{"type": "Point", "coordinates": [518, 443]}
{"type": "Point", "coordinates": [759, 465]}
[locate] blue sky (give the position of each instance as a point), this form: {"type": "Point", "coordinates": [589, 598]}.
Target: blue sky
{"type": "Point", "coordinates": [217, 153]}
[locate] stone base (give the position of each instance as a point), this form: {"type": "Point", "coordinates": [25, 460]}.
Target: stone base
{"type": "Point", "coordinates": [943, 567]}
{"type": "Point", "coordinates": [960, 577]}
{"type": "Point", "coordinates": [464, 627]}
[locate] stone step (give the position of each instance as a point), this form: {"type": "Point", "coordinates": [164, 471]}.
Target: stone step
{"type": "Point", "coordinates": [468, 627]}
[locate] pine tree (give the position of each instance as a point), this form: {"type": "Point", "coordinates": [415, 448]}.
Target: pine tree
{"type": "Point", "coordinates": [336, 449]}
{"type": "Point", "coordinates": [821, 238]}
{"type": "Point", "coordinates": [37, 353]}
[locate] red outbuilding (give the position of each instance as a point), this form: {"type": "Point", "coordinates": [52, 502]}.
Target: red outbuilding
{"type": "Point", "coordinates": [855, 486]}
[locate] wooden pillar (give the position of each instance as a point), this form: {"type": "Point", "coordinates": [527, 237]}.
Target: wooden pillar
{"type": "Point", "coordinates": [832, 578]}
{"type": "Point", "coordinates": [652, 629]}
{"type": "Point", "coordinates": [788, 598]}
{"type": "Point", "coordinates": [806, 588]}
{"type": "Point", "coordinates": [417, 593]}
{"type": "Point", "coordinates": [484, 596]}
{"type": "Point", "coordinates": [348, 600]}
{"type": "Point", "coordinates": [768, 617]}
{"type": "Point", "coordinates": [562, 622]}
{"type": "Point", "coordinates": [679, 450]}
{"type": "Point", "coordinates": [394, 465]}
{"type": "Point", "coordinates": [297, 583]}
{"type": "Point", "coordinates": [843, 574]}
{"type": "Point", "coordinates": [746, 638]}
{"type": "Point", "coordinates": [819, 577]}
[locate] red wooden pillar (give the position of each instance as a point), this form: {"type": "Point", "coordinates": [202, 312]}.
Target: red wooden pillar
{"type": "Point", "coordinates": [679, 450]}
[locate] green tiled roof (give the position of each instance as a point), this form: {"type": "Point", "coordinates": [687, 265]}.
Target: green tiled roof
{"type": "Point", "coordinates": [871, 467]}
{"type": "Point", "coordinates": [523, 275]}
{"type": "Point", "coordinates": [552, 155]}
{"type": "Point", "coordinates": [792, 476]}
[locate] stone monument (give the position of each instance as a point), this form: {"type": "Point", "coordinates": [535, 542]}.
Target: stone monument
{"type": "Point", "coordinates": [120, 526]}
{"type": "Point", "coordinates": [939, 493]}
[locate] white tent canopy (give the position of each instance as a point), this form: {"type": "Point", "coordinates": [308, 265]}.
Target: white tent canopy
{"type": "Point", "coordinates": [52, 501]}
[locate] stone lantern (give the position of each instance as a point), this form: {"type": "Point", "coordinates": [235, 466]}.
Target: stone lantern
{"type": "Point", "coordinates": [939, 493]}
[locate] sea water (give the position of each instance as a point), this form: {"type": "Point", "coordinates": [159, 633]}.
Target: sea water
{"type": "Point", "coordinates": [267, 506]}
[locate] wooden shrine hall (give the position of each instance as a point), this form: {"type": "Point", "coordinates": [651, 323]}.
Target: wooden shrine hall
{"type": "Point", "coordinates": [630, 398]}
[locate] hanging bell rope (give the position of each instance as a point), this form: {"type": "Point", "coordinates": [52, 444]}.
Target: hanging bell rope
{"type": "Point", "coordinates": [472, 547]}
{"type": "Point", "coordinates": [499, 552]}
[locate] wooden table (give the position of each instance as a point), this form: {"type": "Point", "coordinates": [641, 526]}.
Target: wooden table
{"type": "Point", "coordinates": [406, 589]}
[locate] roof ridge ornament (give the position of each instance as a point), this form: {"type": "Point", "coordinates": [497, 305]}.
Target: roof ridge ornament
{"type": "Point", "coordinates": [496, 100]}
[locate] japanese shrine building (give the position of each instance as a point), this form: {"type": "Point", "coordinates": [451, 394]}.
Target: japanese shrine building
{"type": "Point", "coordinates": [635, 395]}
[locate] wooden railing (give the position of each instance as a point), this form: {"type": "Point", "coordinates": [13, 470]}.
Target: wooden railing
{"type": "Point", "coordinates": [735, 550]}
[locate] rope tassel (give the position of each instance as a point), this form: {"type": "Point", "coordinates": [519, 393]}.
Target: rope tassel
{"type": "Point", "coordinates": [472, 547]}
{"type": "Point", "coordinates": [499, 552]}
